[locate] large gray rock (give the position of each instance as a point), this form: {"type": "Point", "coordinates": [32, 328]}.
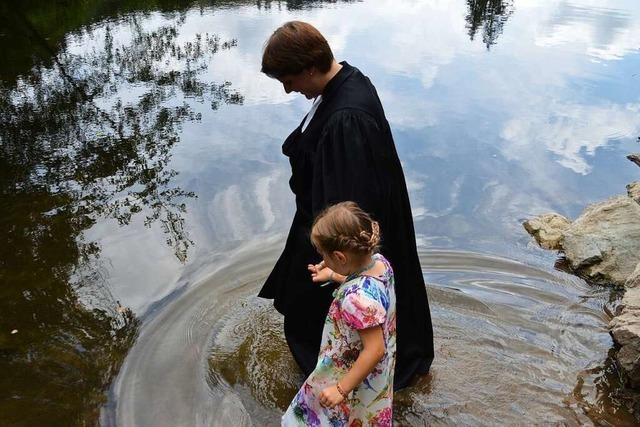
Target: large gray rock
{"type": "Point", "coordinates": [633, 280]}
{"type": "Point", "coordinates": [548, 229]}
{"type": "Point", "coordinates": [625, 330]}
{"type": "Point", "coordinates": [603, 244]}
{"type": "Point", "coordinates": [633, 190]}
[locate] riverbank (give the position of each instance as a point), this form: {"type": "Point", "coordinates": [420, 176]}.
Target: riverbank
{"type": "Point", "coordinates": [603, 247]}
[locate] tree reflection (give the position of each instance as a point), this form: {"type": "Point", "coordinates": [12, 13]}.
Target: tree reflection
{"type": "Point", "coordinates": [298, 4]}
{"type": "Point", "coordinates": [75, 147]}
{"type": "Point", "coordinates": [68, 128]}
{"type": "Point", "coordinates": [490, 15]}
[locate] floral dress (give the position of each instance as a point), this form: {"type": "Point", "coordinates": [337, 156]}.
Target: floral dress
{"type": "Point", "coordinates": [359, 303]}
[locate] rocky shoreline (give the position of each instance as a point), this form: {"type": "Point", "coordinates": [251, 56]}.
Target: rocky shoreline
{"type": "Point", "coordinates": [603, 247]}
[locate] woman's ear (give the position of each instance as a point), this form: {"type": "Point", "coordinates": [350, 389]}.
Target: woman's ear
{"type": "Point", "coordinates": [312, 70]}
{"type": "Point", "coordinates": [340, 257]}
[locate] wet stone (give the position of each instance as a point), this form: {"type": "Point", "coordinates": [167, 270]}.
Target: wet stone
{"type": "Point", "coordinates": [633, 190]}
{"type": "Point", "coordinates": [603, 244]}
{"type": "Point", "coordinates": [625, 330]}
{"type": "Point", "coordinates": [548, 230]}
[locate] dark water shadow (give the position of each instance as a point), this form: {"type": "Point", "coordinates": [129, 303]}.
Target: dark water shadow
{"type": "Point", "coordinates": [77, 149]}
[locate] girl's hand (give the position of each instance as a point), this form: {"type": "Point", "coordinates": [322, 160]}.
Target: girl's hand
{"type": "Point", "coordinates": [319, 273]}
{"type": "Point", "coordinates": [330, 397]}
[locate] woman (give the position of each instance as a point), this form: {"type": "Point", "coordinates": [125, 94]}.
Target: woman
{"type": "Point", "coordinates": [342, 150]}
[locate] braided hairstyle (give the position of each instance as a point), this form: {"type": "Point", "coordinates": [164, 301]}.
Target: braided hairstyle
{"type": "Point", "coordinates": [345, 227]}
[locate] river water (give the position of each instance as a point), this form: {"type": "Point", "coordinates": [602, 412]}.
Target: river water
{"type": "Point", "coordinates": [145, 200]}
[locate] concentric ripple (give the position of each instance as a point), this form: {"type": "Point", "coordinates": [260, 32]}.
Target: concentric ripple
{"type": "Point", "coordinates": [514, 345]}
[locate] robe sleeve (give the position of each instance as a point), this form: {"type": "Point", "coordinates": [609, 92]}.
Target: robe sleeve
{"type": "Point", "coordinates": [345, 166]}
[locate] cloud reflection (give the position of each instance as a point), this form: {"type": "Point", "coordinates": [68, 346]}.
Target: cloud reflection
{"type": "Point", "coordinates": [605, 33]}
{"type": "Point", "coordinates": [570, 132]}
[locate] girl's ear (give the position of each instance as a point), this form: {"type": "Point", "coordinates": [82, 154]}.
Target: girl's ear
{"type": "Point", "coordinates": [340, 257]}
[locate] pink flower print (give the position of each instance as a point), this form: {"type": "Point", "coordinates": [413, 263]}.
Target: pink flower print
{"type": "Point", "coordinates": [392, 325]}
{"type": "Point", "coordinates": [382, 418]}
{"type": "Point", "coordinates": [360, 312]}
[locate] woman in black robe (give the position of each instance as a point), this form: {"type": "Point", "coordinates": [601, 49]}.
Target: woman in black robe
{"type": "Point", "coordinates": [342, 150]}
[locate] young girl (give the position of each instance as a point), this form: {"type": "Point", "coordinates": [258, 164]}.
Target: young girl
{"type": "Point", "coordinates": [352, 384]}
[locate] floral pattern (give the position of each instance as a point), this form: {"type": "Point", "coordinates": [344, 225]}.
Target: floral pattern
{"type": "Point", "coordinates": [359, 303]}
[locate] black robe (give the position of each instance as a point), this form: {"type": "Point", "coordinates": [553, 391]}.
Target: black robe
{"type": "Point", "coordinates": [347, 153]}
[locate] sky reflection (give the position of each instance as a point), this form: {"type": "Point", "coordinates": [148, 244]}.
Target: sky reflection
{"type": "Point", "coordinates": [488, 134]}
{"type": "Point", "coordinates": [141, 167]}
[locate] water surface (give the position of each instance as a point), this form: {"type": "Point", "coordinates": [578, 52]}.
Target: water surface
{"type": "Point", "coordinates": [146, 198]}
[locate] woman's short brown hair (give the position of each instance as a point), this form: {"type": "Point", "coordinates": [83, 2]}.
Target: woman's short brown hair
{"type": "Point", "coordinates": [294, 47]}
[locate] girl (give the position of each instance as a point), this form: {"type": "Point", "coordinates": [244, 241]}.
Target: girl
{"type": "Point", "coordinates": [352, 384]}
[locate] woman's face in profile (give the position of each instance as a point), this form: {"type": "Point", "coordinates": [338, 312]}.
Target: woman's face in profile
{"type": "Point", "coordinates": [302, 83]}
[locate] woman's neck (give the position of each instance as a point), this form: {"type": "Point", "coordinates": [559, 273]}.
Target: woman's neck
{"type": "Point", "coordinates": [326, 78]}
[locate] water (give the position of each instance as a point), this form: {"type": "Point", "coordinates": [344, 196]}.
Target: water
{"type": "Point", "coordinates": [141, 204]}
{"type": "Point", "coordinates": [513, 343]}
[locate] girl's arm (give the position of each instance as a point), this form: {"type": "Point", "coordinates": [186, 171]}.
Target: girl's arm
{"type": "Point", "coordinates": [372, 352]}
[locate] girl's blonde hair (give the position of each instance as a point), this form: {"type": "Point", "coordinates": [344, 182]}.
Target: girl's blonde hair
{"type": "Point", "coordinates": [345, 227]}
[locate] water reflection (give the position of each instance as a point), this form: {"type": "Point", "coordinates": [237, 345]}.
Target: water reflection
{"type": "Point", "coordinates": [68, 129]}
{"type": "Point", "coordinates": [56, 365]}
{"type": "Point", "coordinates": [298, 4]}
{"type": "Point", "coordinates": [75, 149]}
{"type": "Point", "coordinates": [599, 391]}
{"type": "Point", "coordinates": [486, 139]}
{"type": "Point", "coordinates": [488, 16]}
{"type": "Point", "coordinates": [608, 32]}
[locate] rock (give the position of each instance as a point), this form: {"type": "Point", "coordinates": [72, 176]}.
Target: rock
{"type": "Point", "coordinates": [625, 330]}
{"type": "Point", "coordinates": [633, 280]}
{"type": "Point", "coordinates": [548, 230]}
{"type": "Point", "coordinates": [635, 158]}
{"type": "Point", "coordinates": [603, 244]}
{"type": "Point", "coordinates": [633, 190]}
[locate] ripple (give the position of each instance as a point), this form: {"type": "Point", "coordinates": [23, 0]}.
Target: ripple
{"type": "Point", "coordinates": [512, 342]}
